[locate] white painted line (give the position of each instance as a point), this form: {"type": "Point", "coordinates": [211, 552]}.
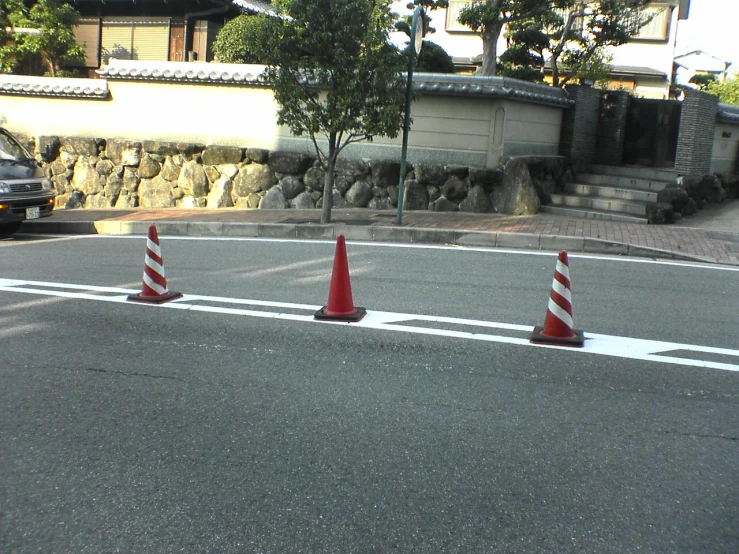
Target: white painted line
{"type": "Point", "coordinates": [455, 248]}
{"type": "Point", "coordinates": [604, 345]}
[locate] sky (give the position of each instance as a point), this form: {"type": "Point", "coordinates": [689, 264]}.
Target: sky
{"type": "Point", "coordinates": [713, 26]}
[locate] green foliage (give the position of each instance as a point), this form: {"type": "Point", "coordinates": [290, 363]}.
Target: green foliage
{"type": "Point", "coordinates": [8, 49]}
{"type": "Point", "coordinates": [335, 75]}
{"type": "Point", "coordinates": [727, 90]}
{"type": "Point", "coordinates": [524, 58]}
{"type": "Point", "coordinates": [703, 80]}
{"type": "Point", "coordinates": [239, 39]}
{"type": "Point", "coordinates": [54, 42]}
{"type": "Point", "coordinates": [487, 18]}
{"type": "Point", "coordinates": [538, 31]}
{"type": "Point", "coordinates": [604, 24]}
{"type": "Point", "coordinates": [432, 59]}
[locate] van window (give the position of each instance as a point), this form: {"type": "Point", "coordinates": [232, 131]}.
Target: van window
{"type": "Point", "coordinates": [10, 149]}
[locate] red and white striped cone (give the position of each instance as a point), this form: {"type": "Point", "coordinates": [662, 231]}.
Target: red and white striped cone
{"type": "Point", "coordinates": [154, 288]}
{"type": "Point", "coordinates": [558, 324]}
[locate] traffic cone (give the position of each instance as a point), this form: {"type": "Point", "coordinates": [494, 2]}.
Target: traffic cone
{"type": "Point", "coordinates": [340, 305]}
{"type": "Point", "coordinates": [557, 327]}
{"type": "Point", "coordinates": [154, 288]}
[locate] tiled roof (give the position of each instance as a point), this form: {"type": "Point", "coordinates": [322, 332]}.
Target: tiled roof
{"type": "Point", "coordinates": [620, 70]}
{"type": "Point", "coordinates": [188, 72]}
{"type": "Point", "coordinates": [424, 83]}
{"type": "Point", "coordinates": [728, 112]}
{"type": "Point", "coordinates": [255, 6]}
{"type": "Point", "coordinates": [474, 85]}
{"type": "Point", "coordinates": [53, 86]}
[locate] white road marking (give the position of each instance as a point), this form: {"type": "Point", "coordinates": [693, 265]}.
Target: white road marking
{"type": "Point", "coordinates": [604, 345]}
{"type": "Point", "coordinates": [455, 248]}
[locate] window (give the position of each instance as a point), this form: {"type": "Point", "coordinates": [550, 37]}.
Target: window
{"type": "Point", "coordinates": [128, 39]}
{"type": "Point", "coordinates": [452, 13]}
{"type": "Point", "coordinates": [658, 26]}
{"type": "Point", "coordinates": [87, 33]}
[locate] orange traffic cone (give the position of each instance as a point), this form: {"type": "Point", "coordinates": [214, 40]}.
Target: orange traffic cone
{"type": "Point", "coordinates": [154, 289]}
{"type": "Point", "coordinates": [340, 305]}
{"type": "Point", "coordinates": [558, 322]}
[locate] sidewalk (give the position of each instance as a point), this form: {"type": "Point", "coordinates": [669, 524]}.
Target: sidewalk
{"type": "Point", "coordinates": [711, 236]}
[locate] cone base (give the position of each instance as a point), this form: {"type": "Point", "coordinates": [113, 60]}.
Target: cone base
{"type": "Point", "coordinates": [161, 299]}
{"type": "Point", "coordinates": [538, 337]}
{"type": "Point", "coordinates": [358, 314]}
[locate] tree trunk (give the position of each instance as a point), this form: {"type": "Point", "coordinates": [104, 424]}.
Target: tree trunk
{"type": "Point", "coordinates": [490, 50]}
{"type": "Point", "coordinates": [328, 184]}
{"type": "Point", "coordinates": [555, 71]}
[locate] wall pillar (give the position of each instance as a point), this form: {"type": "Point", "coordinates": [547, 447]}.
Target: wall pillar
{"type": "Point", "coordinates": [696, 135]}
{"type": "Point", "coordinates": [580, 126]}
{"type": "Point", "coordinates": [612, 127]}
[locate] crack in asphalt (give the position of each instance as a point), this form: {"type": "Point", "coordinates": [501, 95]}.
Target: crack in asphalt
{"type": "Point", "coordinates": [701, 436]}
{"type": "Point", "coordinates": [131, 374]}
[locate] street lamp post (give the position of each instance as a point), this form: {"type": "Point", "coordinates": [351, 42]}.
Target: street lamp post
{"type": "Point", "coordinates": [413, 51]}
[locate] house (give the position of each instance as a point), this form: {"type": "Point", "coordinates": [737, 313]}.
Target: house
{"type": "Point", "coordinates": [698, 62]}
{"type": "Point", "coordinates": [156, 30]}
{"type": "Point", "coordinates": [644, 65]}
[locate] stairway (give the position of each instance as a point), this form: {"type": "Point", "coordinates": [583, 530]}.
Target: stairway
{"type": "Point", "coordinates": [611, 193]}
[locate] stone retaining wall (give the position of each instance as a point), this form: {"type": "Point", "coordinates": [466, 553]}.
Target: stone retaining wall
{"type": "Point", "coordinates": [114, 173]}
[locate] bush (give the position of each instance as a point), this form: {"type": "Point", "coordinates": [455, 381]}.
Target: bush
{"type": "Point", "coordinates": [235, 43]}
{"type": "Point", "coordinates": [727, 90]}
{"type": "Point", "coordinates": [433, 59]}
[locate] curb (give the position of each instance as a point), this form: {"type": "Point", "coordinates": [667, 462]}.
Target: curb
{"type": "Point", "coordinates": [368, 233]}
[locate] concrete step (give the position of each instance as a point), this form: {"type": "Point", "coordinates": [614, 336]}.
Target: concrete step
{"type": "Point", "coordinates": [616, 181]}
{"type": "Point", "coordinates": [643, 173]}
{"type": "Point", "coordinates": [582, 213]}
{"type": "Point", "coordinates": [620, 193]}
{"type": "Point", "coordinates": [633, 208]}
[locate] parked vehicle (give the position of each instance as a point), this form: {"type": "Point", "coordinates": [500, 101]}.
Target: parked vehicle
{"type": "Point", "coordinates": [25, 192]}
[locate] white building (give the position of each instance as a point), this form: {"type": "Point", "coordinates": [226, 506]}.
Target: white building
{"type": "Point", "coordinates": [644, 65]}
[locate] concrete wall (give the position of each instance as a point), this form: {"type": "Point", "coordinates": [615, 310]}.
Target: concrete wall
{"type": "Point", "coordinates": [472, 121]}
{"type": "Point", "coordinates": [725, 157]}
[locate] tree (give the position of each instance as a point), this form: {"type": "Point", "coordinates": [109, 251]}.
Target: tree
{"type": "Point", "coordinates": [236, 42]}
{"type": "Point", "coordinates": [51, 36]}
{"type": "Point", "coordinates": [581, 48]}
{"type": "Point", "coordinates": [335, 76]}
{"type": "Point", "coordinates": [488, 17]}
{"type": "Point", "coordinates": [569, 33]}
{"type": "Point", "coordinates": [703, 80]}
{"type": "Point", "coordinates": [9, 57]}
{"type": "Point", "coordinates": [727, 90]}
{"type": "Point", "coordinates": [432, 59]}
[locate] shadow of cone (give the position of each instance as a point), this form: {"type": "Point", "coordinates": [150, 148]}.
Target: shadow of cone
{"type": "Point", "coordinates": [154, 288]}
{"type": "Point", "coordinates": [340, 305]}
{"type": "Point", "coordinates": [558, 322]}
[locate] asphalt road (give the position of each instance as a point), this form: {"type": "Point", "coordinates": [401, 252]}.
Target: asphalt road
{"type": "Point", "coordinates": [128, 428]}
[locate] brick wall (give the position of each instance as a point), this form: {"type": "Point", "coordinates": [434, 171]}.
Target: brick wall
{"type": "Point", "coordinates": [612, 128]}
{"type": "Point", "coordinates": [697, 129]}
{"type": "Point", "coordinates": [580, 125]}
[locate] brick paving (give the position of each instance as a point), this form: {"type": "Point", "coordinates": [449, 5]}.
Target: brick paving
{"type": "Point", "coordinates": [721, 247]}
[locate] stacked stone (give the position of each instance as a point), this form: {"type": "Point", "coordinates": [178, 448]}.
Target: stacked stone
{"type": "Point", "coordinates": [96, 173]}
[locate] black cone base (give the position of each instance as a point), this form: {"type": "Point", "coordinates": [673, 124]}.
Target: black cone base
{"type": "Point", "coordinates": [166, 297]}
{"type": "Point", "coordinates": [577, 340]}
{"type": "Point", "coordinates": [356, 316]}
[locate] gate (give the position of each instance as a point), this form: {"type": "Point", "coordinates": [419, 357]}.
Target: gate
{"type": "Point", "coordinates": [650, 137]}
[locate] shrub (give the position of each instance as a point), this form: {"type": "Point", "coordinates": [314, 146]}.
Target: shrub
{"type": "Point", "coordinates": [235, 43]}
{"type": "Point", "coordinates": [433, 59]}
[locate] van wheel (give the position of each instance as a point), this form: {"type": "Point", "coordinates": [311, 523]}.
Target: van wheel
{"type": "Point", "coordinates": [7, 229]}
